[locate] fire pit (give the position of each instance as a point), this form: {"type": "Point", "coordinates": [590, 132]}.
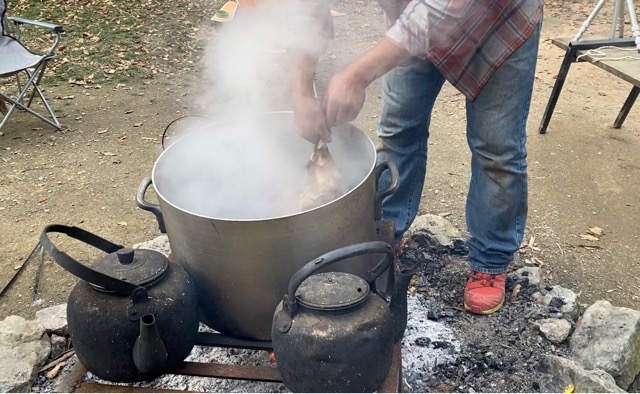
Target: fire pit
{"type": "Point", "coordinates": [259, 373]}
{"type": "Point", "coordinates": [329, 269]}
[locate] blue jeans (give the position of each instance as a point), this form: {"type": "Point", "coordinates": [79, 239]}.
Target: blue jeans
{"type": "Point", "coordinates": [496, 208]}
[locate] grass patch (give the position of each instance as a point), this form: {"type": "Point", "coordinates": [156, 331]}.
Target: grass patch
{"type": "Point", "coordinates": [117, 40]}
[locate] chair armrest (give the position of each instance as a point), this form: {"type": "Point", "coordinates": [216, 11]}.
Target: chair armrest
{"type": "Point", "coordinates": [23, 21]}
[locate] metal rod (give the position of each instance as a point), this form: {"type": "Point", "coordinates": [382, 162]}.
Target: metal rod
{"type": "Point", "coordinates": [220, 340]}
{"type": "Point", "coordinates": [569, 57]}
{"type": "Point", "coordinates": [635, 30]}
{"type": "Point", "coordinates": [626, 107]}
{"type": "Point", "coordinates": [587, 23]}
{"type": "Point", "coordinates": [226, 371]}
{"type": "Point", "coordinates": [36, 280]}
{"type": "Point", "coordinates": [617, 16]}
{"type": "Point", "coordinates": [18, 271]}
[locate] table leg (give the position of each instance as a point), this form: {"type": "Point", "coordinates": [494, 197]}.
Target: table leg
{"type": "Point", "coordinates": [626, 107]}
{"type": "Point", "coordinates": [569, 58]}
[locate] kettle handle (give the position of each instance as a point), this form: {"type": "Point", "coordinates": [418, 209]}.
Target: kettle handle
{"type": "Point", "coordinates": [82, 271]}
{"type": "Point", "coordinates": [289, 300]}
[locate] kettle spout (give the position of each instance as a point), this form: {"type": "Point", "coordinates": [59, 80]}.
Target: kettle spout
{"type": "Point", "coordinates": [149, 352]}
{"type": "Point", "coordinates": [398, 304]}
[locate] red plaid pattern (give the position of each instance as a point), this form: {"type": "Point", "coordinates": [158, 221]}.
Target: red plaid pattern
{"type": "Point", "coordinates": [467, 40]}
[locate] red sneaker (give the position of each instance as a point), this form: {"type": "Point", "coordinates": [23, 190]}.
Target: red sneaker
{"type": "Point", "coordinates": [484, 293]}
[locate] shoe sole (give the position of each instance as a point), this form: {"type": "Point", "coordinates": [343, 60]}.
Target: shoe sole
{"type": "Point", "coordinates": [487, 312]}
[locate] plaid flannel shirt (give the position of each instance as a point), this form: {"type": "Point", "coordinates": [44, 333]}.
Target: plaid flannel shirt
{"type": "Point", "coordinates": [467, 40]}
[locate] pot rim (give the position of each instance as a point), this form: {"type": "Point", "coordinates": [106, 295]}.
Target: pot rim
{"type": "Point", "coordinates": [264, 219]}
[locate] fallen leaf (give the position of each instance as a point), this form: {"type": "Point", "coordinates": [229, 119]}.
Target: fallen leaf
{"type": "Point", "coordinates": [537, 262]}
{"type": "Point", "coordinates": [589, 237]}
{"type": "Point", "coordinates": [42, 198]}
{"type": "Point", "coordinates": [595, 231]}
{"type": "Point", "coordinates": [569, 389]}
{"type": "Point", "coordinates": [515, 291]}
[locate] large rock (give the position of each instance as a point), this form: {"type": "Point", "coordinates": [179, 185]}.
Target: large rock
{"type": "Point", "coordinates": [532, 274]}
{"type": "Point", "coordinates": [159, 244]}
{"type": "Point", "coordinates": [438, 226]}
{"type": "Point", "coordinates": [54, 319]}
{"type": "Point", "coordinates": [563, 299]}
{"type": "Point", "coordinates": [555, 330]}
{"type": "Point", "coordinates": [24, 348]}
{"type": "Point", "coordinates": [560, 373]}
{"type": "Point", "coordinates": [608, 338]}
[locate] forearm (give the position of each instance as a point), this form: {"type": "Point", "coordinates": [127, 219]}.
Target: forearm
{"type": "Point", "coordinates": [303, 69]}
{"type": "Point", "coordinates": [376, 62]}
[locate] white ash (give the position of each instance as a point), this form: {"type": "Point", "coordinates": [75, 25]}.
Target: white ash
{"type": "Point", "coordinates": [426, 343]}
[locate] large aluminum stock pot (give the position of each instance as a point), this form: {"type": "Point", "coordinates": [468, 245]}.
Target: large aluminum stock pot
{"type": "Point", "coordinates": [228, 198]}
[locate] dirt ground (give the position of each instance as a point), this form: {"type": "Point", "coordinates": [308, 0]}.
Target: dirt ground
{"type": "Point", "coordinates": [583, 173]}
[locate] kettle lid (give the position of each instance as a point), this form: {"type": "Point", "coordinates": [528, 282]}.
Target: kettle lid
{"type": "Point", "coordinates": [141, 267]}
{"type": "Point", "coordinates": [332, 291]}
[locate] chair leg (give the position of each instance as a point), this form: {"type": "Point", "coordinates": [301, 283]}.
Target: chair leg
{"type": "Point", "coordinates": [37, 83]}
{"type": "Point", "coordinates": [19, 101]}
{"type": "Point", "coordinates": [569, 57]}
{"type": "Point", "coordinates": [3, 106]}
{"type": "Point", "coordinates": [626, 107]}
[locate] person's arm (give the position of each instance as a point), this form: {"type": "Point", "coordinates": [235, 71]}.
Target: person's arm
{"type": "Point", "coordinates": [308, 114]}
{"type": "Point", "coordinates": [422, 26]}
{"type": "Point", "coordinates": [345, 94]}
{"type": "Point", "coordinates": [311, 30]}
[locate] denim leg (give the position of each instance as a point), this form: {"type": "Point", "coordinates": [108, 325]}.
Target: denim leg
{"type": "Point", "coordinates": [496, 208]}
{"type": "Point", "coordinates": [408, 95]}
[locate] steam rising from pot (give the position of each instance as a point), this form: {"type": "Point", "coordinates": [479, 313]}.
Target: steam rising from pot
{"type": "Point", "coordinates": [246, 66]}
{"type": "Point", "coordinates": [235, 164]}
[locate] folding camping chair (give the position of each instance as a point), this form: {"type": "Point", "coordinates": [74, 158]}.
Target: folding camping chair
{"type": "Point", "coordinates": [26, 66]}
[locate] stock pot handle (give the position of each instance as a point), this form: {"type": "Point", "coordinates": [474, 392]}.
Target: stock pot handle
{"type": "Point", "coordinates": [289, 303]}
{"type": "Point", "coordinates": [82, 271]}
{"type": "Point", "coordinates": [147, 206]}
{"type": "Point", "coordinates": [381, 194]}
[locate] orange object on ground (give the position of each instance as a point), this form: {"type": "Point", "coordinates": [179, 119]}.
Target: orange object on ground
{"type": "Point", "coordinates": [484, 293]}
{"type": "Point", "coordinates": [226, 12]}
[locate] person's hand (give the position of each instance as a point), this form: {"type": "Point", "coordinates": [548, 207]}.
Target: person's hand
{"type": "Point", "coordinates": [310, 120]}
{"type": "Point", "coordinates": [344, 97]}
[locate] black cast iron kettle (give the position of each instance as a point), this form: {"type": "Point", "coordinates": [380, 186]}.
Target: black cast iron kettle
{"type": "Point", "coordinates": [333, 332]}
{"type": "Point", "coordinates": [133, 316]}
